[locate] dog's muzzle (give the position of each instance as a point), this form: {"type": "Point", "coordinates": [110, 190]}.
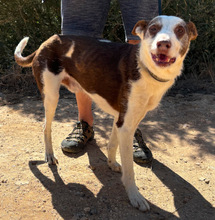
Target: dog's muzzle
{"type": "Point", "coordinates": [163, 60]}
{"type": "Point", "coordinates": [161, 57]}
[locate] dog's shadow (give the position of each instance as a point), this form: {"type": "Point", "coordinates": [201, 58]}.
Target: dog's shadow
{"type": "Point", "coordinates": [189, 203]}
{"type": "Point", "coordinates": [75, 199]}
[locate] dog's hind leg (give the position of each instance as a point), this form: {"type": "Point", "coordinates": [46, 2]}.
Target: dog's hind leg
{"type": "Point", "coordinates": [112, 148]}
{"type": "Point", "coordinates": [51, 95]}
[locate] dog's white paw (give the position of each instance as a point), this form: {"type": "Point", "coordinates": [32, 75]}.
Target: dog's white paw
{"type": "Point", "coordinates": [50, 159]}
{"type": "Point", "coordinates": [116, 167]}
{"type": "Point", "coordinates": [137, 200]}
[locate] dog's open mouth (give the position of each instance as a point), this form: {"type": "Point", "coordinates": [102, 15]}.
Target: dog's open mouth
{"type": "Point", "coordinates": [163, 60]}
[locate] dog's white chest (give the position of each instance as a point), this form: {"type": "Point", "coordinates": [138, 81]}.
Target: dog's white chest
{"type": "Point", "coordinates": [145, 95]}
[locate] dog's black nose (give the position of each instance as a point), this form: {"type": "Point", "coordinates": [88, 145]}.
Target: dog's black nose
{"type": "Point", "coordinates": [164, 45]}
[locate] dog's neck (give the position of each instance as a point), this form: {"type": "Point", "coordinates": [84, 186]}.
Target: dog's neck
{"type": "Point", "coordinates": [155, 77]}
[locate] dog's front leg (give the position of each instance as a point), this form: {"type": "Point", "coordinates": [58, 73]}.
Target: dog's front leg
{"type": "Point", "coordinates": [125, 144]}
{"type": "Point", "coordinates": [112, 148]}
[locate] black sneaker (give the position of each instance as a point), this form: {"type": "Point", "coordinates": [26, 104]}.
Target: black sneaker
{"type": "Point", "coordinates": [76, 141]}
{"type": "Point", "coordinates": [141, 153]}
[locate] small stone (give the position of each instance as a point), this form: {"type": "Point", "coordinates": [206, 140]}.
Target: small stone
{"type": "Point", "coordinates": [207, 181]}
{"type": "Point", "coordinates": [202, 178]}
{"type": "Point", "coordinates": [211, 167]}
{"type": "Point", "coordinates": [185, 126]}
{"type": "Point", "coordinates": [20, 183]}
{"type": "Point", "coordinates": [87, 209]}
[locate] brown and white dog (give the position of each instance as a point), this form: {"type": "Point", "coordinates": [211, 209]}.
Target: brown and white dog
{"type": "Point", "coordinates": [125, 80]}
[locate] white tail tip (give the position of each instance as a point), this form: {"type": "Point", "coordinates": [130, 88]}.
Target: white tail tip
{"type": "Point", "coordinates": [20, 47]}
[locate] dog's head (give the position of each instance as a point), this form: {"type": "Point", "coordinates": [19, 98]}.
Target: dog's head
{"type": "Point", "coordinates": [165, 40]}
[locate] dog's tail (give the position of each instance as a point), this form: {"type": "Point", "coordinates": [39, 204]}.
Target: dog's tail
{"type": "Point", "coordinates": [23, 61]}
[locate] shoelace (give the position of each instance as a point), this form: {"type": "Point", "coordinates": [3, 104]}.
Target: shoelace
{"type": "Point", "coordinates": [77, 134]}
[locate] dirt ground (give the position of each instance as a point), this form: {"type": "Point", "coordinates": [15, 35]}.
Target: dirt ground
{"type": "Point", "coordinates": [179, 184]}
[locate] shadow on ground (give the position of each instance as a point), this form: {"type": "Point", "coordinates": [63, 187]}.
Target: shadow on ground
{"type": "Point", "coordinates": [71, 199]}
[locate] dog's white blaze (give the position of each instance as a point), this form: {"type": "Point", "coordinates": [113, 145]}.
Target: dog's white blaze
{"type": "Point", "coordinates": [71, 50]}
{"type": "Point", "coordinates": [160, 37]}
{"type": "Point", "coordinates": [167, 33]}
{"type": "Point", "coordinates": [175, 44]}
{"type": "Point", "coordinates": [169, 22]}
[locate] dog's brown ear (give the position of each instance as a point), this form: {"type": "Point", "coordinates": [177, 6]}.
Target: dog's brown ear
{"type": "Point", "coordinates": [139, 28]}
{"type": "Point", "coordinates": [192, 30]}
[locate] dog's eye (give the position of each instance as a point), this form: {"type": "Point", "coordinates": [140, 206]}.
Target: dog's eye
{"type": "Point", "coordinates": [179, 31]}
{"type": "Point", "coordinates": [154, 29]}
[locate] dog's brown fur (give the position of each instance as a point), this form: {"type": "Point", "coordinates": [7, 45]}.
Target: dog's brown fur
{"type": "Point", "coordinates": [125, 80]}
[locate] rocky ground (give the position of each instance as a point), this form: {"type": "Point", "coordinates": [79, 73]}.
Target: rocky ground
{"type": "Point", "coordinates": [178, 184]}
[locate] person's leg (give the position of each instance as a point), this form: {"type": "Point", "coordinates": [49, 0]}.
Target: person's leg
{"type": "Point", "coordinates": [82, 18]}
{"type": "Point", "coordinates": [133, 11]}
{"type": "Point", "coordinates": [84, 103]}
